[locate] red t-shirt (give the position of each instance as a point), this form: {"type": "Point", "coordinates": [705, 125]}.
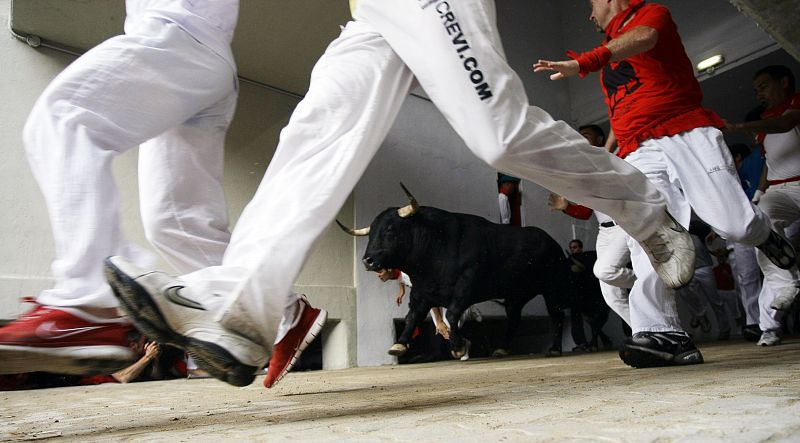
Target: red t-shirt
{"type": "Point", "coordinates": [652, 94]}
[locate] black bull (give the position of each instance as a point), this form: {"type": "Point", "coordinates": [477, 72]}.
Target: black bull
{"type": "Point", "coordinates": [457, 260]}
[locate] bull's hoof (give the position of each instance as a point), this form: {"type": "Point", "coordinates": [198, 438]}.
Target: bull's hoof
{"type": "Point", "coordinates": [553, 352]}
{"type": "Point", "coordinates": [398, 349]}
{"type": "Point", "coordinates": [463, 353]}
{"type": "Point", "coordinates": [500, 353]}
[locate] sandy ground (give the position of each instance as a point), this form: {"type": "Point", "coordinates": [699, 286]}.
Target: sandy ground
{"type": "Point", "coordinates": [741, 394]}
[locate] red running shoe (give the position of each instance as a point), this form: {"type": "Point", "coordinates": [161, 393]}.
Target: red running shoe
{"type": "Point", "coordinates": [57, 340]}
{"type": "Point", "coordinates": [285, 354]}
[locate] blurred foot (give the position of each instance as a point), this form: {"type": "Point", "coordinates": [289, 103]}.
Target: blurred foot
{"type": "Point", "coordinates": [654, 349]}
{"type": "Point", "coordinates": [166, 310]}
{"type": "Point", "coordinates": [751, 333]}
{"type": "Point", "coordinates": [769, 338]}
{"type": "Point", "coordinates": [64, 341]}
{"type": "Point", "coordinates": [306, 328]}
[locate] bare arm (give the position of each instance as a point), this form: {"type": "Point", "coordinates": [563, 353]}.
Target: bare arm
{"type": "Point", "coordinates": [133, 371]}
{"type": "Point", "coordinates": [400, 294]}
{"type": "Point", "coordinates": [441, 327]}
{"type": "Point", "coordinates": [635, 41]}
{"type": "Point", "coordinates": [611, 141]}
{"type": "Point", "coordinates": [776, 125]}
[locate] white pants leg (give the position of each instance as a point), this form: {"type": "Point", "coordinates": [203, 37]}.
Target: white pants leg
{"type": "Point", "coordinates": [653, 306]}
{"type": "Point", "coordinates": [182, 200]}
{"type": "Point", "coordinates": [748, 280]}
{"type": "Point", "coordinates": [356, 90]}
{"type": "Point", "coordinates": [612, 271]}
{"type": "Point", "coordinates": [782, 204]}
{"type": "Point", "coordinates": [695, 168]}
{"type": "Point", "coordinates": [768, 319]}
{"type": "Point", "coordinates": [125, 91]}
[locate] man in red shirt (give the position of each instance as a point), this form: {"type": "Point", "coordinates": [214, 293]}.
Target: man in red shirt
{"type": "Point", "coordinates": [654, 105]}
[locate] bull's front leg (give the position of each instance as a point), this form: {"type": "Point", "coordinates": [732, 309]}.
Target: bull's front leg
{"type": "Point", "coordinates": [557, 317]}
{"type": "Point", "coordinates": [459, 346]}
{"type": "Point", "coordinates": [413, 319]}
{"type": "Point", "coordinates": [513, 318]}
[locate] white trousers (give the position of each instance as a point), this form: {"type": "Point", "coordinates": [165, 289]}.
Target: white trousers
{"type": "Point", "coordinates": [155, 86]}
{"type": "Point", "coordinates": [748, 280]}
{"type": "Point", "coordinates": [782, 203]}
{"type": "Point", "coordinates": [612, 271]}
{"type": "Point", "coordinates": [357, 87]}
{"type": "Point", "coordinates": [693, 170]}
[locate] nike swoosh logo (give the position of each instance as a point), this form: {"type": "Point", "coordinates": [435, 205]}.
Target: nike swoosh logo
{"type": "Point", "coordinates": [675, 224]}
{"type": "Point", "coordinates": [49, 330]}
{"type": "Point", "coordinates": [173, 294]}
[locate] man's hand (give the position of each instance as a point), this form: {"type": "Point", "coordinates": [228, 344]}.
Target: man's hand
{"type": "Point", "coordinates": [565, 68]}
{"type": "Point", "coordinates": [399, 298]}
{"type": "Point", "coordinates": [151, 350]}
{"type": "Point", "coordinates": [557, 202]}
{"type": "Point", "coordinates": [735, 127]}
{"type": "Point", "coordinates": [443, 330]}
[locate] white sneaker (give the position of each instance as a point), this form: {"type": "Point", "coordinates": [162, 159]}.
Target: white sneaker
{"type": "Point", "coordinates": [167, 311]}
{"type": "Point", "coordinates": [671, 251]}
{"type": "Point", "coordinates": [769, 338]}
{"type": "Point", "coordinates": [784, 299]}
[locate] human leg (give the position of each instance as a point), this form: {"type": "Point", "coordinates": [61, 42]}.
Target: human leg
{"type": "Point", "coordinates": [181, 195]}
{"type": "Point", "coordinates": [748, 280]}
{"type": "Point", "coordinates": [658, 338]}
{"type": "Point", "coordinates": [782, 205]}
{"type": "Point", "coordinates": [612, 271]}
{"type": "Point", "coordinates": [356, 90]}
{"type": "Point", "coordinates": [98, 107]}
{"type": "Point", "coordinates": [455, 52]}
{"type": "Point", "coordinates": [718, 199]}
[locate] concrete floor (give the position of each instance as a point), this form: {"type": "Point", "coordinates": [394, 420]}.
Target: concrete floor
{"type": "Point", "coordinates": [741, 394]}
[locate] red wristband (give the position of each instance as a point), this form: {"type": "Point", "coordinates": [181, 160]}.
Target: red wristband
{"type": "Point", "coordinates": [591, 61]}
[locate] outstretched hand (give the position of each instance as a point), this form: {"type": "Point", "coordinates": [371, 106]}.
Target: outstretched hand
{"type": "Point", "coordinates": [563, 69]}
{"type": "Point", "coordinates": [557, 202]}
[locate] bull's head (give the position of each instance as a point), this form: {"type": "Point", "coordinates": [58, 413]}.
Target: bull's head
{"type": "Point", "coordinates": [388, 235]}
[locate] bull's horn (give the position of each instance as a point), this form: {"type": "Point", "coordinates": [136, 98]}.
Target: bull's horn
{"type": "Point", "coordinates": [354, 232]}
{"type": "Point", "coordinates": [411, 208]}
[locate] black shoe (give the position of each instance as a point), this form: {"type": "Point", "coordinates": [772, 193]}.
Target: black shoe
{"type": "Point", "coordinates": [751, 333]}
{"type": "Point", "coordinates": [583, 347]}
{"type": "Point", "coordinates": [654, 349]}
{"type": "Point", "coordinates": [778, 251]}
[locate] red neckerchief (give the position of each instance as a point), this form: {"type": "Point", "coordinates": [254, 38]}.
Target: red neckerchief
{"type": "Point", "coordinates": [775, 111]}
{"type": "Point", "coordinates": [622, 17]}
